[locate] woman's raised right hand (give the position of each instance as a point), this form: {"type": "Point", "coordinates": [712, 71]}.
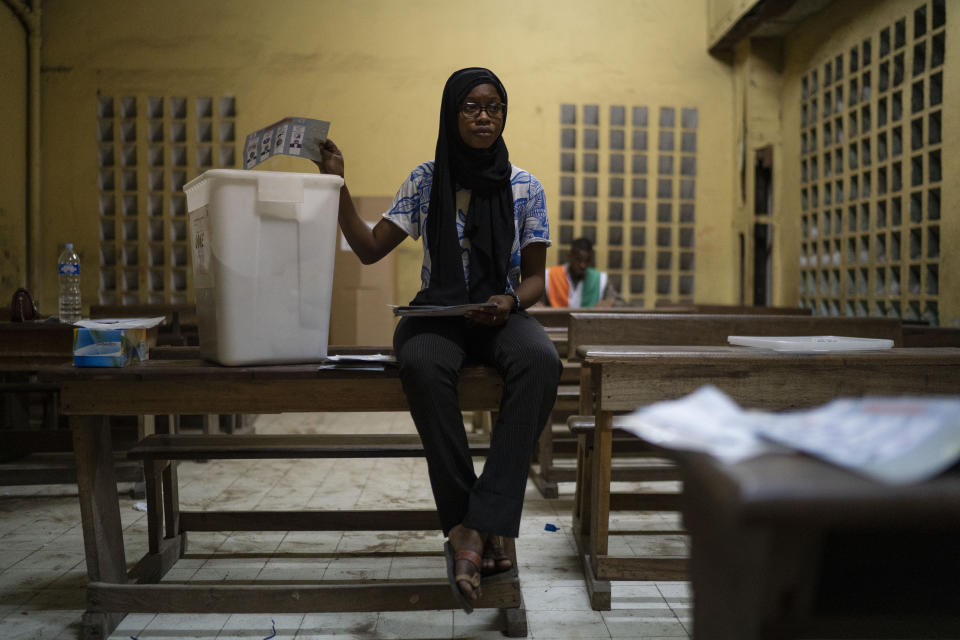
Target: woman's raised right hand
{"type": "Point", "coordinates": [331, 159]}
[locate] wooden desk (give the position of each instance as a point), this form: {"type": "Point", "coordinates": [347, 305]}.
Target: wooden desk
{"type": "Point", "coordinates": [713, 329]}
{"type": "Point", "coordinates": [31, 342]}
{"type": "Point", "coordinates": [34, 446]}
{"type": "Point", "coordinates": [619, 378]}
{"type": "Point", "coordinates": [682, 307]}
{"type": "Point", "coordinates": [558, 316]}
{"type": "Point", "coordinates": [193, 386]}
{"type": "Point", "coordinates": [623, 326]}
{"type": "Point", "coordinates": [925, 336]}
{"type": "Point", "coordinates": [785, 546]}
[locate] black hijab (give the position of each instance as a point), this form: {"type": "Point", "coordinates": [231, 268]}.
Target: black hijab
{"type": "Point", "coordinates": [489, 223]}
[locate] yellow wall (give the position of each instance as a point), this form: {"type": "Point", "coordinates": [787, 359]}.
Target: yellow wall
{"type": "Point", "coordinates": [13, 166]}
{"type": "Point", "coordinates": [829, 33]}
{"type": "Point", "coordinates": [375, 69]}
{"type": "Point", "coordinates": [723, 14]}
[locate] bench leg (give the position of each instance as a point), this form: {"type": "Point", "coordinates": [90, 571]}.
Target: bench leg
{"type": "Point", "coordinates": [146, 425]}
{"type": "Point", "coordinates": [171, 499]}
{"type": "Point", "coordinates": [583, 492]}
{"type": "Point", "coordinates": [600, 485]}
{"type": "Point", "coordinates": [99, 626]}
{"type": "Point", "coordinates": [543, 477]}
{"type": "Point", "coordinates": [598, 591]}
{"type": "Point", "coordinates": [596, 513]}
{"type": "Point", "coordinates": [515, 621]}
{"type": "Point", "coordinates": [154, 495]}
{"type": "Point", "coordinates": [515, 618]}
{"type": "Point", "coordinates": [100, 515]}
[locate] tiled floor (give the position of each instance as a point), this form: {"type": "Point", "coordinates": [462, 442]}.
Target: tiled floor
{"type": "Point", "coordinates": [42, 573]}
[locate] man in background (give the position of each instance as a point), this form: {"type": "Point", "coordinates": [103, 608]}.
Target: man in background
{"type": "Point", "coordinates": [577, 284]}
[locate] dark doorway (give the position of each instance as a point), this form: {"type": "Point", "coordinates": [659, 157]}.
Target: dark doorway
{"type": "Point", "coordinates": [763, 228]}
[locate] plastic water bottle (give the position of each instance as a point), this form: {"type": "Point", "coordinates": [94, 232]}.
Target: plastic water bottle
{"type": "Point", "coordinates": [68, 270]}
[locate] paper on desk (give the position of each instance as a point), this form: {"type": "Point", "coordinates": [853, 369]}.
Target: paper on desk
{"type": "Point", "coordinates": [707, 420]}
{"type": "Point", "coordinates": [359, 362]}
{"type": "Point", "coordinates": [893, 439]}
{"type": "Point", "coordinates": [362, 357]}
{"type": "Point", "coordinates": [120, 323]}
{"type": "Point", "coordinates": [896, 440]}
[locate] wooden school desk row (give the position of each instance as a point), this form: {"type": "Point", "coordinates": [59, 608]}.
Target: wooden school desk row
{"type": "Point", "coordinates": [160, 387]}
{"type": "Point", "coordinates": [36, 446]}
{"type": "Point", "coordinates": [555, 442]}
{"type": "Point", "coordinates": [597, 326]}
{"type": "Point", "coordinates": [620, 378]}
{"type": "Point", "coordinates": [188, 386]}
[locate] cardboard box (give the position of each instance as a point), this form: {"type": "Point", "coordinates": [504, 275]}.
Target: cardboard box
{"type": "Point", "coordinates": [360, 312]}
{"type": "Point", "coordinates": [109, 347]}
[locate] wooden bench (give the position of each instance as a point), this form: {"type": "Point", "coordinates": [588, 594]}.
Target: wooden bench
{"type": "Point", "coordinates": [713, 329]}
{"type": "Point", "coordinates": [193, 386]}
{"type": "Point", "coordinates": [179, 329]}
{"type": "Point", "coordinates": [556, 320]}
{"type": "Point", "coordinates": [621, 326]}
{"type": "Point", "coordinates": [926, 336]}
{"type": "Point", "coordinates": [621, 378]}
{"type": "Point", "coordinates": [255, 446]}
{"type": "Point", "coordinates": [36, 446]}
{"type": "Point", "coordinates": [785, 546]}
{"type": "Point", "coordinates": [690, 307]}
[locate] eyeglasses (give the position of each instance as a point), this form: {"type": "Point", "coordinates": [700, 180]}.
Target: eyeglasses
{"type": "Point", "coordinates": [473, 109]}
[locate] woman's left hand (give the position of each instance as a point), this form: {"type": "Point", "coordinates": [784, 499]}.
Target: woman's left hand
{"type": "Point", "coordinates": [494, 317]}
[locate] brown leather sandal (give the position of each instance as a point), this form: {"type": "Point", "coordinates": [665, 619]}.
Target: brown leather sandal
{"type": "Point", "coordinates": [473, 579]}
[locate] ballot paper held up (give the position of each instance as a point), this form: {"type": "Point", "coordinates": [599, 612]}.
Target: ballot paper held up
{"type": "Point", "coordinates": [298, 137]}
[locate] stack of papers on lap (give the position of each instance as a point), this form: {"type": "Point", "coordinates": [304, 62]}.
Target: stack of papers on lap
{"type": "Point", "coordinates": [810, 344]}
{"type": "Point", "coordinates": [437, 310]}
{"type": "Point", "coordinates": [896, 440]}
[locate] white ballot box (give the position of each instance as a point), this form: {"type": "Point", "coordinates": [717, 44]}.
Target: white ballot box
{"type": "Point", "coordinates": [263, 245]}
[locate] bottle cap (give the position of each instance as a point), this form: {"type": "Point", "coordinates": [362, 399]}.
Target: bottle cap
{"type": "Point", "coordinates": [69, 245]}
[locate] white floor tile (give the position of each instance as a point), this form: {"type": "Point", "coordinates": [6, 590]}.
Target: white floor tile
{"type": "Point", "coordinates": [641, 622]}
{"type": "Point", "coordinates": [415, 624]}
{"type": "Point", "coordinates": [320, 626]}
{"type": "Point", "coordinates": [250, 626]}
{"type": "Point", "coordinates": [43, 578]}
{"type": "Point", "coordinates": [566, 624]}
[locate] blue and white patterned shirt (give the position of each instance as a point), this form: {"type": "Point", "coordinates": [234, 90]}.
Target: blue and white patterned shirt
{"type": "Point", "coordinates": [409, 212]}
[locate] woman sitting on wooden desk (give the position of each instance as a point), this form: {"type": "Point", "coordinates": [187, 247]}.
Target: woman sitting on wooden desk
{"type": "Point", "coordinates": [485, 234]}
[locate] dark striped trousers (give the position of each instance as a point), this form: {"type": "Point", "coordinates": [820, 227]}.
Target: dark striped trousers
{"type": "Point", "coordinates": [431, 352]}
